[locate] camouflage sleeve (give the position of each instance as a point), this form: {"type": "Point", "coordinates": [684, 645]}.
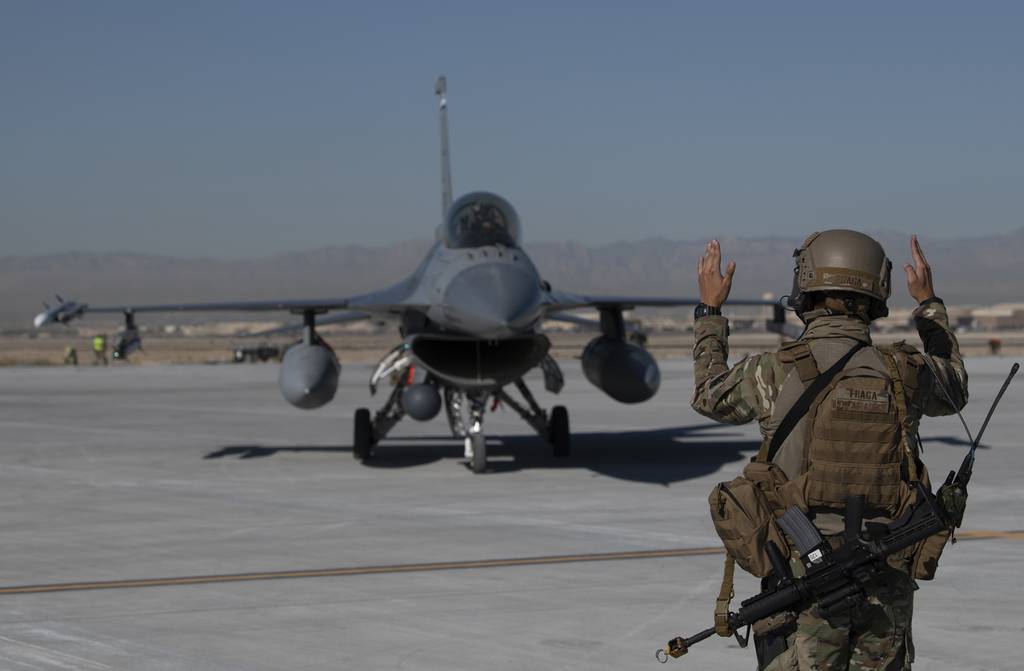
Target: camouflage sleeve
{"type": "Point", "coordinates": [734, 395]}
{"type": "Point", "coordinates": [945, 366]}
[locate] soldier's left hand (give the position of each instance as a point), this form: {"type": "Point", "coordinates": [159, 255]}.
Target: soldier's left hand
{"type": "Point", "coordinates": [714, 286]}
{"type": "Point", "coordinates": [953, 498]}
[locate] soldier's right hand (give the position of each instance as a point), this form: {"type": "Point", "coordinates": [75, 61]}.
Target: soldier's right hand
{"type": "Point", "coordinates": [919, 275]}
{"type": "Point", "coordinates": [714, 287]}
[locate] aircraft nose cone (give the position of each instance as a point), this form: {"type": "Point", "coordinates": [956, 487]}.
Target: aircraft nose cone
{"type": "Point", "coordinates": [491, 298]}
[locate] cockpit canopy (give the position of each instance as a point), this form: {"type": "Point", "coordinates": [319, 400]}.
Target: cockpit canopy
{"type": "Point", "coordinates": [479, 219]}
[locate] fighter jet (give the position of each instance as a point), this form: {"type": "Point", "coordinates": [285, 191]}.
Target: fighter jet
{"type": "Point", "coordinates": [469, 321]}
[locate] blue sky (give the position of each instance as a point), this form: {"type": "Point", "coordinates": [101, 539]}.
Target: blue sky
{"type": "Point", "coordinates": [245, 128]}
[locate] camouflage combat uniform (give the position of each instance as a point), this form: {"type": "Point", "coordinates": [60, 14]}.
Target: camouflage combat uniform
{"type": "Point", "coordinates": [877, 635]}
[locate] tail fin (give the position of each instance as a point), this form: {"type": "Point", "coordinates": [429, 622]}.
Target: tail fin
{"type": "Point", "coordinates": [441, 89]}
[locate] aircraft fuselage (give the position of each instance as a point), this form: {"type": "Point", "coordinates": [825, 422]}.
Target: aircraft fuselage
{"type": "Point", "coordinates": [490, 293]}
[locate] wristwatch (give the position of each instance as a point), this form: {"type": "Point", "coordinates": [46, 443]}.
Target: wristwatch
{"type": "Point", "coordinates": [705, 310]}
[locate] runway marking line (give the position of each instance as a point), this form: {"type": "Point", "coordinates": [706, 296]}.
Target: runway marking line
{"type": "Point", "coordinates": [410, 568]}
{"type": "Point", "coordinates": [982, 534]}
{"type": "Point", "coordinates": [358, 570]}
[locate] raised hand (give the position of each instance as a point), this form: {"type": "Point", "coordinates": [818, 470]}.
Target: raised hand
{"type": "Point", "coordinates": [714, 287]}
{"type": "Point", "coordinates": [919, 275]}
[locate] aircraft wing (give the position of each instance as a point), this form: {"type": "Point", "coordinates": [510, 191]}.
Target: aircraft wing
{"type": "Point", "coordinates": [562, 300]}
{"type": "Point", "coordinates": [241, 306]}
{"type": "Point", "coordinates": [340, 318]}
{"type": "Point", "coordinates": [559, 301]}
{"type": "Point", "coordinates": [588, 323]}
{"type": "Point", "coordinates": [388, 301]}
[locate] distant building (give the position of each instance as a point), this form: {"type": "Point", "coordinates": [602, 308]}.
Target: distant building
{"type": "Point", "coordinates": [901, 319]}
{"type": "Point", "coordinates": [898, 319]}
{"type": "Point", "coordinates": [999, 317]}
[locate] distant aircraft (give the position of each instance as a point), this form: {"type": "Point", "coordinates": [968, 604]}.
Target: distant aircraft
{"type": "Point", "coordinates": [469, 318]}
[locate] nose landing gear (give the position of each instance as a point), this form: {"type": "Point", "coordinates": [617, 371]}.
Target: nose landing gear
{"type": "Point", "coordinates": [465, 411]}
{"type": "Point", "coordinates": [554, 429]}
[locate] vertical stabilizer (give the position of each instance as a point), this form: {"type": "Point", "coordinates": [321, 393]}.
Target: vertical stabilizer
{"type": "Point", "coordinates": [441, 89]}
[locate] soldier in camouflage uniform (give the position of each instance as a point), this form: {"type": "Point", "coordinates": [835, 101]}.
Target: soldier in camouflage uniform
{"type": "Point", "coordinates": [837, 304]}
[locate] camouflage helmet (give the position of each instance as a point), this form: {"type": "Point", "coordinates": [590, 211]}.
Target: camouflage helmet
{"type": "Point", "coordinates": [842, 260]}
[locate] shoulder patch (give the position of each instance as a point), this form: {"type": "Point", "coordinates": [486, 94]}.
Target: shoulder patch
{"type": "Point", "coordinates": [789, 352]}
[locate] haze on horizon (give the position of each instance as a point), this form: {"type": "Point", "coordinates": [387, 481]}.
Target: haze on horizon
{"type": "Point", "coordinates": [245, 129]}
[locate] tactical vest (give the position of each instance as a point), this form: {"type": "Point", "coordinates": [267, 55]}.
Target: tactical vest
{"type": "Point", "coordinates": [859, 435]}
{"type": "Point", "coordinates": [856, 437]}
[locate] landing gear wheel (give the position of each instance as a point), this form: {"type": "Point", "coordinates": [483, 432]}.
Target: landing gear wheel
{"type": "Point", "coordinates": [362, 435]}
{"type": "Point", "coordinates": [478, 462]}
{"type": "Point", "coordinates": [558, 431]}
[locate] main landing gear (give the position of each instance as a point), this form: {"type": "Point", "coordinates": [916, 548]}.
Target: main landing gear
{"type": "Point", "coordinates": [558, 431]}
{"type": "Point", "coordinates": [367, 432]}
{"type": "Point", "coordinates": [362, 439]}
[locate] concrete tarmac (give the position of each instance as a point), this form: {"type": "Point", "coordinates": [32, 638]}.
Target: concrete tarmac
{"type": "Point", "coordinates": [142, 473]}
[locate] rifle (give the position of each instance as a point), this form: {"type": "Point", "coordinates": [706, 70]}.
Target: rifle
{"type": "Point", "coordinates": [836, 579]}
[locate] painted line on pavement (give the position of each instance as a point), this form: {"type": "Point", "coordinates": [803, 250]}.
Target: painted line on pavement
{"type": "Point", "coordinates": [410, 568]}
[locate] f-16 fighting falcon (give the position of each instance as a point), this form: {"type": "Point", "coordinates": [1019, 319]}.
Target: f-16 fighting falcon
{"type": "Point", "coordinates": [469, 319]}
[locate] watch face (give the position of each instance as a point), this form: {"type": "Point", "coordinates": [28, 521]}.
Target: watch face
{"type": "Point", "coordinates": [704, 310]}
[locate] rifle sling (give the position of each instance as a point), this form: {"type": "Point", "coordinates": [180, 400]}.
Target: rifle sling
{"type": "Point", "coordinates": [725, 595]}
{"type": "Point", "coordinates": [803, 404]}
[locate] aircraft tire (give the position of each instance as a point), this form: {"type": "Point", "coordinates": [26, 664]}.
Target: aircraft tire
{"type": "Point", "coordinates": [558, 432]}
{"type": "Point", "coordinates": [362, 435]}
{"type": "Point", "coordinates": [479, 461]}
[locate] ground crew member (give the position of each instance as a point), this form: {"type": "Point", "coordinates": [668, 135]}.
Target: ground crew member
{"type": "Point", "coordinates": [99, 350]}
{"type": "Point", "coordinates": [840, 448]}
{"type": "Point", "coordinates": [70, 356]}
